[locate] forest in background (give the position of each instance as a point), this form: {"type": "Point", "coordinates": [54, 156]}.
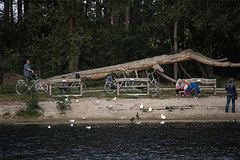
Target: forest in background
{"type": "Point", "coordinates": [61, 36]}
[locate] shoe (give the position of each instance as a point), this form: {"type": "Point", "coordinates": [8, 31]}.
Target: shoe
{"type": "Point", "coordinates": [226, 111]}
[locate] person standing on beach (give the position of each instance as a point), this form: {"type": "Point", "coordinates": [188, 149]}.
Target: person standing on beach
{"type": "Point", "coordinates": [27, 70]}
{"type": "Point", "coordinates": [231, 94]}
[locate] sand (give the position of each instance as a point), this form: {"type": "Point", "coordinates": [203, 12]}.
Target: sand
{"type": "Point", "coordinates": [105, 110]}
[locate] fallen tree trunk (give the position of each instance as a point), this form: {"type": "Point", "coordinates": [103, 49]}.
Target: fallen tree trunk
{"type": "Point", "coordinates": [148, 63]}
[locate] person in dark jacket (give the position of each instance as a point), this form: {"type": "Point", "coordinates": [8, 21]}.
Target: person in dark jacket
{"type": "Point", "coordinates": [231, 90]}
{"type": "Point", "coordinates": [193, 89]}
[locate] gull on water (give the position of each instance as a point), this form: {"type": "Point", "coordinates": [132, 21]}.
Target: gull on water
{"type": "Point", "coordinates": [71, 125]}
{"type": "Point", "coordinates": [141, 106]}
{"type": "Point", "coordinates": [137, 122]}
{"type": "Point", "coordinates": [163, 117]}
{"type": "Point", "coordinates": [88, 127]}
{"type": "Point", "coordinates": [162, 122]}
{"type": "Point", "coordinates": [49, 126]}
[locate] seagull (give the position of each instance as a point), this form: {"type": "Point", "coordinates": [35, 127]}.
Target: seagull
{"type": "Point", "coordinates": [122, 118]}
{"type": "Point", "coordinates": [71, 125]}
{"type": "Point", "coordinates": [137, 122]}
{"type": "Point", "coordinates": [88, 127]}
{"type": "Point", "coordinates": [137, 116]}
{"type": "Point", "coordinates": [76, 100]}
{"type": "Point", "coordinates": [109, 107]}
{"type": "Point", "coordinates": [71, 120]}
{"type": "Point", "coordinates": [162, 122]}
{"type": "Point", "coordinates": [66, 99]}
{"type": "Point", "coordinates": [132, 119]}
{"type": "Point", "coordinates": [49, 126]}
{"type": "Point", "coordinates": [163, 117]}
{"type": "Point", "coordinates": [103, 95]}
{"type": "Point", "coordinates": [150, 109]}
{"type": "Point", "coordinates": [97, 102]}
{"type": "Point", "coordinates": [114, 121]}
{"type": "Point", "coordinates": [141, 106]}
{"type": "Point", "coordinates": [83, 118]}
{"type": "Point", "coordinates": [114, 99]}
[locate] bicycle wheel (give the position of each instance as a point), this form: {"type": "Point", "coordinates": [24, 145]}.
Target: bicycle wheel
{"type": "Point", "coordinates": [157, 87]}
{"type": "Point", "coordinates": [77, 88]}
{"type": "Point", "coordinates": [56, 88]}
{"type": "Point", "coordinates": [41, 87]}
{"type": "Point", "coordinates": [110, 86]}
{"type": "Point", "coordinates": [21, 87]}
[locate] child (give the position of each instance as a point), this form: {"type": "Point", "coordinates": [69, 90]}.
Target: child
{"type": "Point", "coordinates": [185, 86]}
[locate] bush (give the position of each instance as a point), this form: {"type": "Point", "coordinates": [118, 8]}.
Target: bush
{"type": "Point", "coordinates": [63, 104]}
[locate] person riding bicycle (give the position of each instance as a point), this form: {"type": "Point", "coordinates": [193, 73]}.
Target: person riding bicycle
{"type": "Point", "coordinates": [27, 70]}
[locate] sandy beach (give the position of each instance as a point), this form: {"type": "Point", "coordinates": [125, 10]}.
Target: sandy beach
{"type": "Point", "coordinates": [105, 110]}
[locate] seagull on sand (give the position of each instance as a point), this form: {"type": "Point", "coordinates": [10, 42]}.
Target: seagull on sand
{"type": "Point", "coordinates": [114, 99]}
{"type": "Point", "coordinates": [83, 118]}
{"type": "Point", "coordinates": [122, 118]}
{"type": "Point", "coordinates": [97, 102]}
{"type": "Point", "coordinates": [141, 106]}
{"type": "Point", "coordinates": [150, 109]}
{"type": "Point", "coordinates": [76, 100]}
{"type": "Point", "coordinates": [163, 117]}
{"type": "Point", "coordinates": [71, 120]}
{"type": "Point", "coordinates": [109, 107]}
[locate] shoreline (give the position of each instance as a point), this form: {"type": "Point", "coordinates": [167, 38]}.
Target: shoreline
{"type": "Point", "coordinates": [87, 111]}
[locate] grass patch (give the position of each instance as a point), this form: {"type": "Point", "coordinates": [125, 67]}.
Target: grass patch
{"type": "Point", "coordinates": [29, 113]}
{"type": "Point", "coordinates": [63, 104]}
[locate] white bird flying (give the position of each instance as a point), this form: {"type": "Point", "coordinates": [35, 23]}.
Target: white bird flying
{"type": "Point", "coordinates": [163, 117]}
{"type": "Point", "coordinates": [141, 106]}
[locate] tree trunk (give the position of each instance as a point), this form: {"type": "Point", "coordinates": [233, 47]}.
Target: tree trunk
{"type": "Point", "coordinates": [19, 10]}
{"type": "Point", "coordinates": [175, 50]}
{"type": "Point", "coordinates": [127, 18]}
{"type": "Point", "coordinates": [6, 11]}
{"type": "Point", "coordinates": [11, 10]}
{"type": "Point", "coordinates": [148, 63]}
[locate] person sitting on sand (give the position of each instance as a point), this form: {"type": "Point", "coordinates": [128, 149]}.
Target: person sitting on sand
{"type": "Point", "coordinates": [179, 87]}
{"type": "Point", "coordinates": [193, 89]}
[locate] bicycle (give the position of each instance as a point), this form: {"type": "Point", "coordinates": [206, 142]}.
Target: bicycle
{"type": "Point", "coordinates": [156, 85]}
{"type": "Point", "coordinates": [110, 85]}
{"type": "Point", "coordinates": [77, 87]}
{"type": "Point", "coordinates": [23, 86]}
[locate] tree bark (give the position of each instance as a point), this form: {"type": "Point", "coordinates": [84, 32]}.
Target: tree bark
{"type": "Point", "coordinates": [127, 18]}
{"type": "Point", "coordinates": [148, 63]}
{"type": "Point", "coordinates": [175, 50]}
{"type": "Point", "coordinates": [6, 11]}
{"type": "Point", "coordinates": [19, 10]}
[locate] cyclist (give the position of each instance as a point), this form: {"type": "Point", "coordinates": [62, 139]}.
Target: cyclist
{"type": "Point", "coordinates": [27, 70]}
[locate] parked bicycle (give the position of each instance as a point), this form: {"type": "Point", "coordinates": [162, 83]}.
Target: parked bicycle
{"type": "Point", "coordinates": [64, 86]}
{"type": "Point", "coordinates": [110, 85]}
{"type": "Point", "coordinates": [153, 81]}
{"type": "Point", "coordinates": [23, 86]}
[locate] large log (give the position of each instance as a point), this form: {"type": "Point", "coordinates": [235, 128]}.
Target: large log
{"type": "Point", "coordinates": [148, 63]}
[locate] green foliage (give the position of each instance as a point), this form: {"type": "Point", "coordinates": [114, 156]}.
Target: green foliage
{"type": "Point", "coordinates": [29, 113]}
{"type": "Point", "coordinates": [63, 104]}
{"type": "Point", "coordinates": [54, 33]}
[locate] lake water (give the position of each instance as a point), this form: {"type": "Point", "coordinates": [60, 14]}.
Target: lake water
{"type": "Point", "coordinates": [121, 141]}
